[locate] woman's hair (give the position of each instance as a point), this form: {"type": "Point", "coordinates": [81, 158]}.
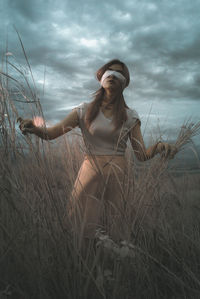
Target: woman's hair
{"type": "Point", "coordinates": [119, 111]}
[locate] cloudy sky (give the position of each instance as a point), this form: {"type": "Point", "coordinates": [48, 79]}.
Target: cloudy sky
{"type": "Point", "coordinates": [67, 41]}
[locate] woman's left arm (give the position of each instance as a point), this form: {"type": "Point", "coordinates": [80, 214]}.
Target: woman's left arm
{"type": "Point", "coordinates": [143, 154]}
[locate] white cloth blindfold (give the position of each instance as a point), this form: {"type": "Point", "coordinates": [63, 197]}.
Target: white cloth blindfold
{"type": "Point", "coordinates": [116, 74]}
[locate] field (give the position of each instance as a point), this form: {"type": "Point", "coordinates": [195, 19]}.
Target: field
{"type": "Point", "coordinates": [38, 255]}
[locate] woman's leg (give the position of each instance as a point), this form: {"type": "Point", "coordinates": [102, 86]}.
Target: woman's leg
{"type": "Point", "coordinates": [97, 199]}
{"type": "Point", "coordinates": [114, 198]}
{"type": "Point", "coordinates": [85, 205]}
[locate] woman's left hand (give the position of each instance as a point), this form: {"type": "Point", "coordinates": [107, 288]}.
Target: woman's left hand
{"type": "Point", "coordinates": [166, 150]}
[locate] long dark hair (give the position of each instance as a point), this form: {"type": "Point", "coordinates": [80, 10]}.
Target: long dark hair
{"type": "Point", "coordinates": [119, 111]}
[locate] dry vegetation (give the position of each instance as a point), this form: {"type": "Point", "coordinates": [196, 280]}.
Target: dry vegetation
{"type": "Point", "coordinates": [38, 258]}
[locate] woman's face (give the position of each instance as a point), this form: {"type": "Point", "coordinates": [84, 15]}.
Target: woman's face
{"type": "Point", "coordinates": [112, 82]}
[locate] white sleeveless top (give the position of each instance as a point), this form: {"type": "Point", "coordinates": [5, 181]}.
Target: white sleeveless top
{"type": "Point", "coordinates": [100, 139]}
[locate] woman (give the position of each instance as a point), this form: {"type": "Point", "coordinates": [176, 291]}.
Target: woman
{"type": "Point", "coordinates": [97, 199]}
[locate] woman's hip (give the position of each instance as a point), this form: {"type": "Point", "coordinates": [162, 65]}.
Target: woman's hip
{"type": "Point", "coordinates": [106, 164]}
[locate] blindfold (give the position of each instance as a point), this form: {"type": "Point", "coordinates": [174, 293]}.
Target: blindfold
{"type": "Point", "coordinates": [116, 74]}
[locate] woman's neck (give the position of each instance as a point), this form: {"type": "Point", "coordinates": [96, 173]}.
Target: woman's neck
{"type": "Point", "coordinates": [108, 99]}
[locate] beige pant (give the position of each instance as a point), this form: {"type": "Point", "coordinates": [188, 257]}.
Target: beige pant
{"type": "Point", "coordinates": [97, 199]}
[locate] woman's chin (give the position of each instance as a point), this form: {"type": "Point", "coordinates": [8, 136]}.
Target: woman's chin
{"type": "Point", "coordinates": [111, 87]}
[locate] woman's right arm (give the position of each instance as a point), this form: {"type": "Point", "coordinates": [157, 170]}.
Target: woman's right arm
{"type": "Point", "coordinates": [67, 124]}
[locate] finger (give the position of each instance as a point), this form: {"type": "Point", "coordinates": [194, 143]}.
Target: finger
{"type": "Point", "coordinates": [160, 147]}
{"type": "Point", "coordinates": [171, 156]}
{"type": "Point", "coordinates": [28, 124]}
{"type": "Point", "coordinates": [167, 150]}
{"type": "Point", "coordinates": [21, 126]}
{"type": "Point", "coordinates": [27, 130]}
{"type": "Point", "coordinates": [163, 148]}
{"type": "Point", "coordinates": [175, 149]}
{"type": "Point", "coordinates": [31, 130]}
{"type": "Point", "coordinates": [173, 152]}
{"type": "Point", "coordinates": [19, 119]}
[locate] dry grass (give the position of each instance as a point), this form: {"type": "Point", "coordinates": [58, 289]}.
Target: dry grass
{"type": "Point", "coordinates": [38, 258]}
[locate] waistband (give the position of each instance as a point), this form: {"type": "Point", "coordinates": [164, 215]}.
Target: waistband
{"type": "Point", "coordinates": [104, 156]}
{"type": "Point", "coordinates": [106, 160]}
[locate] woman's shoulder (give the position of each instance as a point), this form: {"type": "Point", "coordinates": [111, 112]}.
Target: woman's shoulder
{"type": "Point", "coordinates": [81, 108]}
{"type": "Point", "coordinates": [133, 117]}
{"type": "Point", "coordinates": [82, 105]}
{"type": "Point", "coordinates": [132, 113]}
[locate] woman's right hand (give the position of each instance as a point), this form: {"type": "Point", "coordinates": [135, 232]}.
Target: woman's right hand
{"type": "Point", "coordinates": [26, 126]}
